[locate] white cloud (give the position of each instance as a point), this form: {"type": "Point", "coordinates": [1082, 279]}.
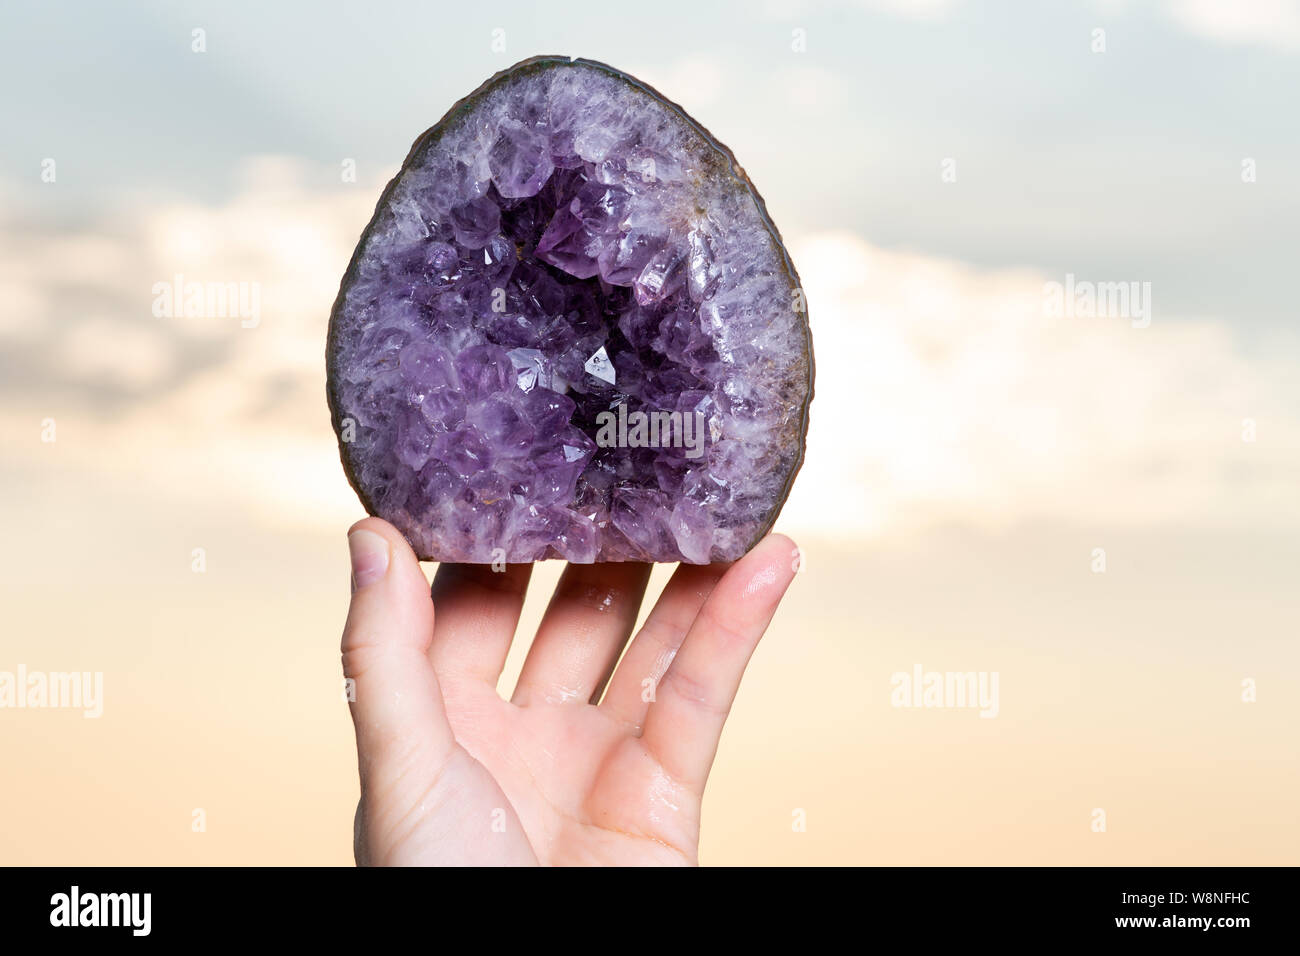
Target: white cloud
{"type": "Point", "coordinates": [108, 351]}
{"type": "Point", "coordinates": [1268, 23]}
{"type": "Point", "coordinates": [693, 81]}
{"type": "Point", "coordinates": [933, 10]}
{"type": "Point", "coordinates": [811, 88]}
{"type": "Point", "coordinates": [947, 395]}
{"type": "Point", "coordinates": [247, 424]}
{"type": "Point", "coordinates": [944, 394]}
{"type": "Point", "coordinates": [913, 9]}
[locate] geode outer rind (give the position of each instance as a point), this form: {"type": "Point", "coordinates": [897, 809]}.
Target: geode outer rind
{"type": "Point", "coordinates": [566, 244]}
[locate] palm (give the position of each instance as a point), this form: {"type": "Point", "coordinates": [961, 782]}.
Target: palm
{"type": "Point", "coordinates": [582, 786]}
{"type": "Point", "coordinates": [578, 767]}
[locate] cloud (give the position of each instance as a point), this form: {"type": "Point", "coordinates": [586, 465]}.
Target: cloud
{"type": "Point", "coordinates": [809, 88]}
{"type": "Point", "coordinates": [913, 9]}
{"type": "Point", "coordinates": [103, 350]}
{"type": "Point", "coordinates": [947, 395]}
{"type": "Point", "coordinates": [1266, 23]}
{"type": "Point", "coordinates": [931, 10]}
{"type": "Point", "coordinates": [944, 393]}
{"type": "Point", "coordinates": [694, 81]}
{"type": "Point", "coordinates": [194, 408]}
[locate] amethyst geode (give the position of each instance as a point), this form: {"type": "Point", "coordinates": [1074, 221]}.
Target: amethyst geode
{"type": "Point", "coordinates": [571, 331]}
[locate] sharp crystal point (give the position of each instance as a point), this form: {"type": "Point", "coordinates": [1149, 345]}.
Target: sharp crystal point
{"type": "Point", "coordinates": [600, 366]}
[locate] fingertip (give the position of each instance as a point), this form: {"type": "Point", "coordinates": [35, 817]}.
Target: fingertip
{"type": "Point", "coordinates": [399, 551]}
{"type": "Point", "coordinates": [782, 543]}
{"type": "Point", "coordinates": [370, 555]}
{"type": "Point", "coordinates": [390, 596]}
{"type": "Point", "coordinates": [382, 528]}
{"type": "Point", "coordinates": [770, 567]}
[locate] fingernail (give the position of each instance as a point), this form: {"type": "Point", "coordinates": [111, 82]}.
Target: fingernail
{"type": "Point", "coordinates": [369, 558]}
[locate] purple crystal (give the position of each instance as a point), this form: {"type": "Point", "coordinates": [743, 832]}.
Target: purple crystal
{"type": "Point", "coordinates": [476, 222]}
{"type": "Point", "coordinates": [571, 331]}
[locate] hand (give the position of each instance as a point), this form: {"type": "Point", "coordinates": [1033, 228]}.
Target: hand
{"type": "Point", "coordinates": [452, 774]}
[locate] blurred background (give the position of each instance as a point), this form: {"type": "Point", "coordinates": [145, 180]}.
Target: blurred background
{"type": "Point", "coordinates": [1100, 507]}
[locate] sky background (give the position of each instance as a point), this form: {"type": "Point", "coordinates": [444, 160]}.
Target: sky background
{"type": "Point", "coordinates": [968, 451]}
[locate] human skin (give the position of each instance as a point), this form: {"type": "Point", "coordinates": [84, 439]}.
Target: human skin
{"type": "Point", "coordinates": [585, 764]}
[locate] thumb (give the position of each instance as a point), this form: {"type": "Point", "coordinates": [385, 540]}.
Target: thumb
{"type": "Point", "coordinates": [394, 697]}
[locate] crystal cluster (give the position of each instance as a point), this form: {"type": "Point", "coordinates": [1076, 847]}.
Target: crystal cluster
{"type": "Point", "coordinates": [563, 243]}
